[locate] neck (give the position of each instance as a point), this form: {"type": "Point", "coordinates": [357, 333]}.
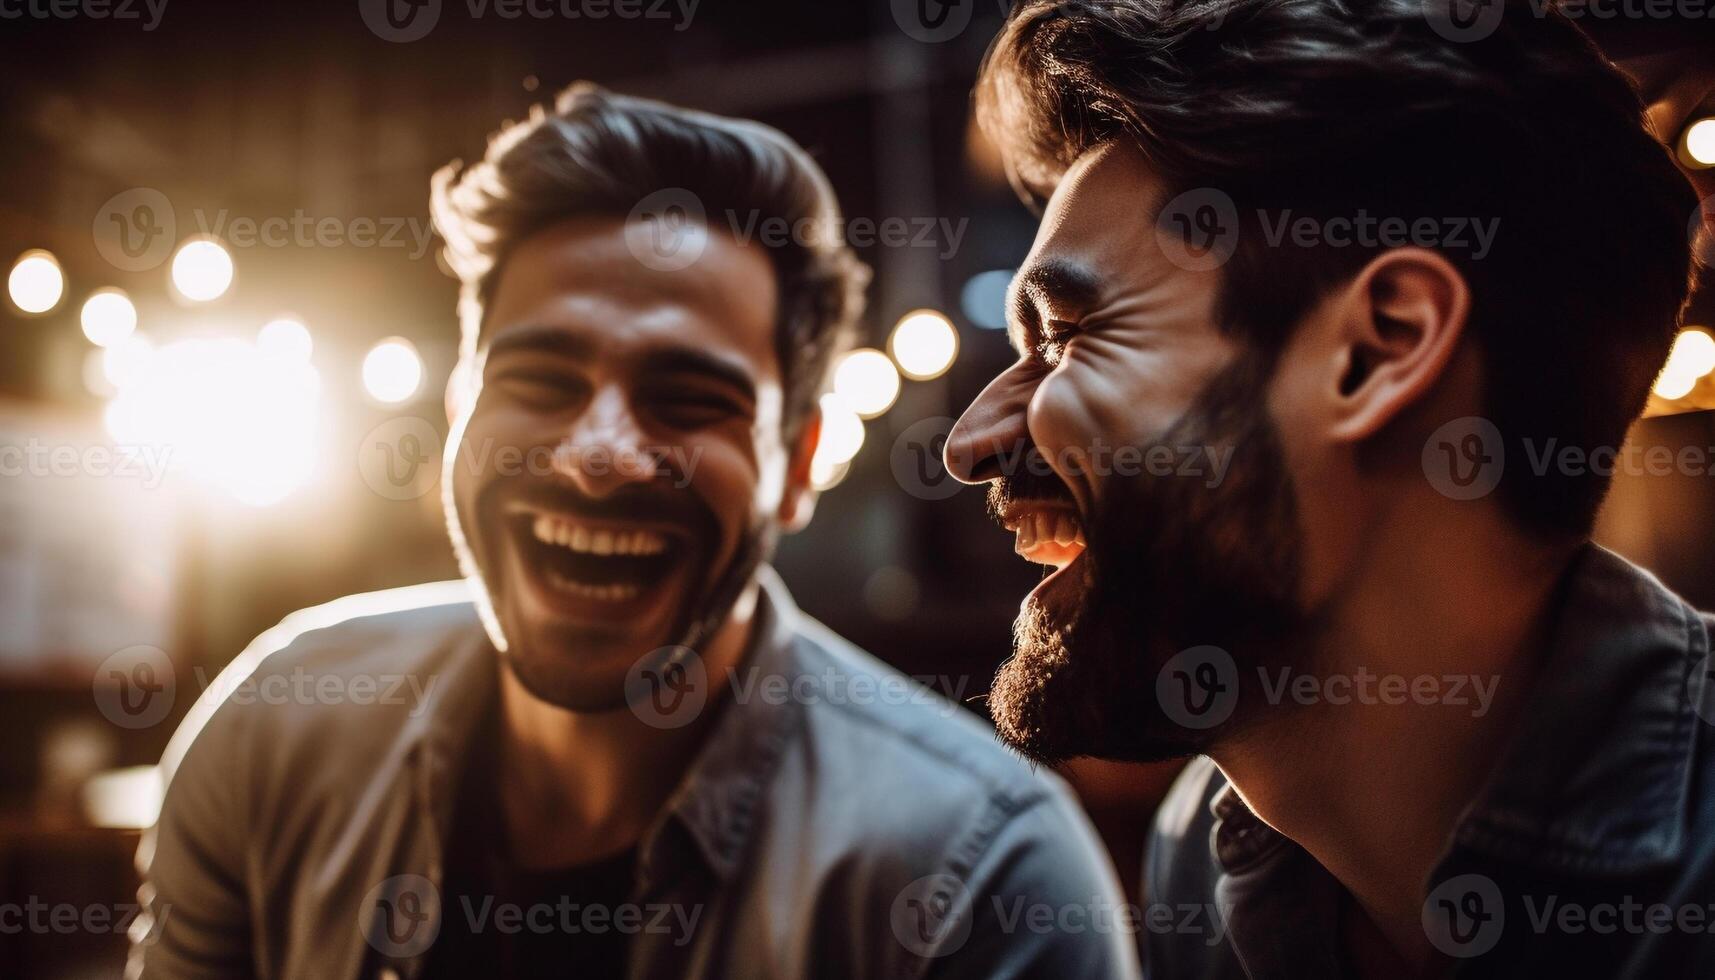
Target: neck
{"type": "Point", "coordinates": [1373, 788]}
{"type": "Point", "coordinates": [578, 786]}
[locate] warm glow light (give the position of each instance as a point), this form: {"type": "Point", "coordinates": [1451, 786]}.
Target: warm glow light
{"type": "Point", "coordinates": [924, 343]}
{"type": "Point", "coordinates": [866, 381]}
{"type": "Point", "coordinates": [842, 435]}
{"type": "Point", "coordinates": [224, 411]}
{"type": "Point", "coordinates": [392, 371]}
{"type": "Point", "coordinates": [285, 338]}
{"type": "Point", "coordinates": [124, 363]}
{"type": "Point", "coordinates": [825, 475]}
{"type": "Point", "coordinates": [36, 283]}
{"type": "Point", "coordinates": [1692, 357]}
{"type": "Point", "coordinates": [1700, 142]}
{"type": "Point", "coordinates": [108, 317]}
{"type": "Point", "coordinates": [202, 270]}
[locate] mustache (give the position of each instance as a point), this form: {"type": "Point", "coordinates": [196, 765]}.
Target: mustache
{"type": "Point", "coordinates": [1032, 483]}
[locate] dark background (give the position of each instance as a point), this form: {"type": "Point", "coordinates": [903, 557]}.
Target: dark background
{"type": "Point", "coordinates": [269, 109]}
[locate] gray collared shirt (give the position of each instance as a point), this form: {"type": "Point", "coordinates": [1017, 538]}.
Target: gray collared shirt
{"type": "Point", "coordinates": [841, 821]}
{"type": "Point", "coordinates": [1590, 853]}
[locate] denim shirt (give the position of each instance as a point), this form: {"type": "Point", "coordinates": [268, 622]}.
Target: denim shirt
{"type": "Point", "coordinates": [829, 833]}
{"type": "Point", "coordinates": [1589, 853]}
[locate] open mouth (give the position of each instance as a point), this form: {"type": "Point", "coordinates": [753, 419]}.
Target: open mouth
{"type": "Point", "coordinates": [1047, 535]}
{"type": "Point", "coordinates": [597, 568]}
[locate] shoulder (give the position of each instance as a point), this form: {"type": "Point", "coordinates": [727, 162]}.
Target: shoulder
{"type": "Point", "coordinates": [864, 716]}
{"type": "Point", "coordinates": [343, 673]}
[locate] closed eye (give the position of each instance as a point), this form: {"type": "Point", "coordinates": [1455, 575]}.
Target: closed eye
{"type": "Point", "coordinates": [1051, 343]}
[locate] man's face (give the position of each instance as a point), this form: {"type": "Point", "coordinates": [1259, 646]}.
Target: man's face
{"type": "Point", "coordinates": [1166, 507]}
{"type": "Point", "coordinates": [622, 454]}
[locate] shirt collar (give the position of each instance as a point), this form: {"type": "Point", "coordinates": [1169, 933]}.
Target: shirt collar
{"type": "Point", "coordinates": [716, 801]}
{"type": "Point", "coordinates": [1597, 776]}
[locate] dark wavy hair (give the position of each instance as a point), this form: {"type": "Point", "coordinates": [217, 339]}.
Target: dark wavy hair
{"type": "Point", "coordinates": [597, 152]}
{"type": "Point", "coordinates": [1328, 106]}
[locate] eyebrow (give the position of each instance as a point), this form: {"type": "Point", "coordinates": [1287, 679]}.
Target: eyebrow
{"type": "Point", "coordinates": [555, 341]}
{"type": "Point", "coordinates": [1061, 281]}
{"type": "Point", "coordinates": [541, 339]}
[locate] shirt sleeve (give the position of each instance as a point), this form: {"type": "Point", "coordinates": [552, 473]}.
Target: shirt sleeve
{"type": "Point", "coordinates": [195, 916]}
{"type": "Point", "coordinates": [1041, 901]}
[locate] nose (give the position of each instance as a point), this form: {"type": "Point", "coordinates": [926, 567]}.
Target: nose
{"type": "Point", "coordinates": [606, 448]}
{"type": "Point", "coordinates": [992, 430]}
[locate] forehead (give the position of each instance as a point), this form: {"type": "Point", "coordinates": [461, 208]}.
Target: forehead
{"type": "Point", "coordinates": [1102, 213]}
{"type": "Point", "coordinates": [583, 276]}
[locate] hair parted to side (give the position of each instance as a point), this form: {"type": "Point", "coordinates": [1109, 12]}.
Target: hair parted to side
{"type": "Point", "coordinates": [598, 152]}
{"type": "Point", "coordinates": [1325, 107]}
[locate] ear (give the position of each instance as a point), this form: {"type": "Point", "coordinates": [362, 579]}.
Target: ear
{"type": "Point", "coordinates": [798, 502]}
{"type": "Point", "coordinates": [1399, 323]}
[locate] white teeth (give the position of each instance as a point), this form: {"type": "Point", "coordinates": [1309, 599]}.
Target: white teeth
{"type": "Point", "coordinates": [601, 593]}
{"type": "Point", "coordinates": [1065, 529]}
{"type": "Point", "coordinates": [550, 529]}
{"type": "Point", "coordinates": [1043, 528]}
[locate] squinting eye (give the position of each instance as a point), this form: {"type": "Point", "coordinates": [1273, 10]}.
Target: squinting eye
{"type": "Point", "coordinates": [538, 388]}
{"type": "Point", "coordinates": [1056, 334]}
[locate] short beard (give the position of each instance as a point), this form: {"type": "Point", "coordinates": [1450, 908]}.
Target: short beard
{"type": "Point", "coordinates": [1171, 564]}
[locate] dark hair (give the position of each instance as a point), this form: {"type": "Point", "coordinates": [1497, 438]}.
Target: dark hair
{"type": "Point", "coordinates": [1328, 106]}
{"type": "Point", "coordinates": [598, 152]}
